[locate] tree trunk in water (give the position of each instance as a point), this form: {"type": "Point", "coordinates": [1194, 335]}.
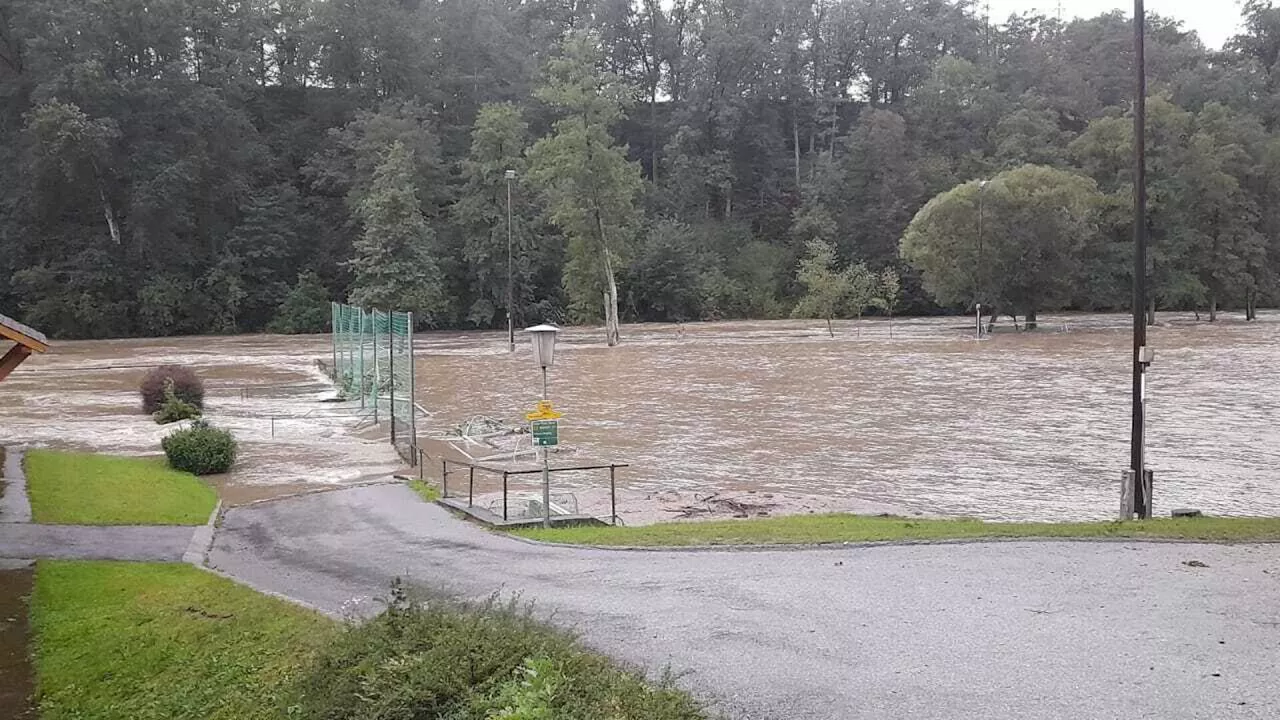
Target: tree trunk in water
{"type": "Point", "coordinates": [830, 331]}
{"type": "Point", "coordinates": [1251, 306]}
{"type": "Point", "coordinates": [1031, 320]}
{"type": "Point", "coordinates": [612, 334]}
{"type": "Point", "coordinates": [1151, 311]}
{"type": "Point", "coordinates": [991, 324]}
{"type": "Point", "coordinates": [1213, 309]}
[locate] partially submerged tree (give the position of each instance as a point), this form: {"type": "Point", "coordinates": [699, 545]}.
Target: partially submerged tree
{"type": "Point", "coordinates": [589, 185]}
{"type": "Point", "coordinates": [1014, 245]}
{"type": "Point", "coordinates": [889, 285]}
{"type": "Point", "coordinates": [832, 291]}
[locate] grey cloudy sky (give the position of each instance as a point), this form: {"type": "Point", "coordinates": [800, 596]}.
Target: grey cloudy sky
{"type": "Point", "coordinates": [1214, 20]}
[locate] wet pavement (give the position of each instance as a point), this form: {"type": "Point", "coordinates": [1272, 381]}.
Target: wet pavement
{"type": "Point", "coordinates": [17, 679]}
{"type": "Point", "coordinates": [159, 543]}
{"type": "Point", "coordinates": [1031, 630]}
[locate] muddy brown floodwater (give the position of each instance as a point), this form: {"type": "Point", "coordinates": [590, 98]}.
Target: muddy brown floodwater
{"type": "Point", "coordinates": [916, 415]}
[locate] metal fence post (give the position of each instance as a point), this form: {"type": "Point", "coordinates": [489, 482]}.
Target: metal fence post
{"type": "Point", "coordinates": [444, 478]}
{"type": "Point", "coordinates": [505, 475]}
{"type": "Point", "coordinates": [413, 387]}
{"type": "Point", "coordinates": [471, 485]}
{"type": "Point", "coordinates": [613, 494]}
{"type": "Point", "coordinates": [391, 371]}
{"type": "Point", "coordinates": [373, 396]}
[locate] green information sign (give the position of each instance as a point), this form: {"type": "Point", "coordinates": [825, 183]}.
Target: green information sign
{"type": "Point", "coordinates": [546, 433]}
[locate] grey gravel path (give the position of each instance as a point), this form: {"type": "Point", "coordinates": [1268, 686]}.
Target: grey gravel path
{"type": "Point", "coordinates": [1004, 630]}
{"type": "Point", "coordinates": [150, 543]}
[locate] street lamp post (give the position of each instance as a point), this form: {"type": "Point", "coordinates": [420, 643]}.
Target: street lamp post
{"type": "Point", "coordinates": [982, 186]}
{"type": "Point", "coordinates": [544, 355]}
{"type": "Point", "coordinates": [511, 322]}
{"type": "Point", "coordinates": [1136, 496]}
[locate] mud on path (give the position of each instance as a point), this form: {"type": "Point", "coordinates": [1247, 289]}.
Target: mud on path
{"type": "Point", "coordinates": [17, 679]}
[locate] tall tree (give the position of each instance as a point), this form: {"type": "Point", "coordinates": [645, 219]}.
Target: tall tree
{"type": "Point", "coordinates": [1014, 244]}
{"type": "Point", "coordinates": [589, 185]}
{"type": "Point", "coordinates": [394, 266]}
{"type": "Point", "coordinates": [498, 143]}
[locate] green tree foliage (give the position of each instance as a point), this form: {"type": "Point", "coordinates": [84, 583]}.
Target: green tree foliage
{"type": "Point", "coordinates": [394, 265]}
{"type": "Point", "coordinates": [832, 291]}
{"type": "Point", "coordinates": [589, 185]}
{"type": "Point", "coordinates": [171, 167]}
{"type": "Point", "coordinates": [304, 309]}
{"type": "Point", "coordinates": [499, 140]}
{"type": "Point", "coordinates": [1015, 243]}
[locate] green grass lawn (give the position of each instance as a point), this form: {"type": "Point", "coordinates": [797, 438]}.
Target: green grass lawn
{"type": "Point", "coordinates": [815, 529]}
{"type": "Point", "coordinates": [133, 641]}
{"type": "Point", "coordinates": [85, 489]}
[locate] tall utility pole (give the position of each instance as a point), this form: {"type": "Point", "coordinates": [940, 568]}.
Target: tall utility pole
{"type": "Point", "coordinates": [511, 320]}
{"type": "Point", "coordinates": [1141, 355]}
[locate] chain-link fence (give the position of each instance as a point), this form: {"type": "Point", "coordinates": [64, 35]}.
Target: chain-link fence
{"type": "Point", "coordinates": [373, 362]}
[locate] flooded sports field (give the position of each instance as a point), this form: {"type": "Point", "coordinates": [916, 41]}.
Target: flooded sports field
{"type": "Point", "coordinates": [915, 415]}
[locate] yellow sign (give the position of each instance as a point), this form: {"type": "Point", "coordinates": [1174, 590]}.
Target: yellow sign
{"type": "Point", "coordinates": [544, 412]}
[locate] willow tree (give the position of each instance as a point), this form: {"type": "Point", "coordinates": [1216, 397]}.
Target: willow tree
{"type": "Point", "coordinates": [1014, 244]}
{"type": "Point", "coordinates": [588, 184]}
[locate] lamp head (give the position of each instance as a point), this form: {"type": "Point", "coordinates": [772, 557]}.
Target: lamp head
{"type": "Point", "coordinates": [544, 344]}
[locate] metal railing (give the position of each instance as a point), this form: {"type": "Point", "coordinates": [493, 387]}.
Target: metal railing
{"type": "Point", "coordinates": [508, 473]}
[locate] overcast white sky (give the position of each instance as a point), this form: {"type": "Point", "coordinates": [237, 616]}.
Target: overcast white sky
{"type": "Point", "coordinates": [1214, 20]}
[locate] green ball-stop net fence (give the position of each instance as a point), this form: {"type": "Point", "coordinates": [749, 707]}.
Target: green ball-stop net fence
{"type": "Point", "coordinates": [373, 363]}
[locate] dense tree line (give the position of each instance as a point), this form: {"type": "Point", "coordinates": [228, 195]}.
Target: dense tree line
{"type": "Point", "coordinates": [190, 166]}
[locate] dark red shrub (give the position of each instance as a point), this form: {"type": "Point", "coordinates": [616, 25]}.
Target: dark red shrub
{"type": "Point", "coordinates": [186, 386]}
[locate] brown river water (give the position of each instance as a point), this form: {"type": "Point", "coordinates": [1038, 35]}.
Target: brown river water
{"type": "Point", "coordinates": [915, 415]}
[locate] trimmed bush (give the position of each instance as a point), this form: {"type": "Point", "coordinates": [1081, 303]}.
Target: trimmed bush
{"type": "Point", "coordinates": [186, 385]}
{"type": "Point", "coordinates": [174, 408]}
{"type": "Point", "coordinates": [200, 449]}
{"type": "Point", "coordinates": [439, 659]}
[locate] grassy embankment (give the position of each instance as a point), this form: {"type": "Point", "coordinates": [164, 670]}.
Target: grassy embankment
{"type": "Point", "coordinates": [129, 641]}
{"type": "Point", "coordinates": [117, 641]}
{"type": "Point", "coordinates": [826, 529]}
{"type": "Point", "coordinates": [85, 489]}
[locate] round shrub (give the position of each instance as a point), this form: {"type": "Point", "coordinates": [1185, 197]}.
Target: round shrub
{"type": "Point", "coordinates": [200, 449]}
{"type": "Point", "coordinates": [173, 409]}
{"type": "Point", "coordinates": [187, 387]}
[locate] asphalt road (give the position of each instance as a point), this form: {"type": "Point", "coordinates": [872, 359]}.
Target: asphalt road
{"type": "Point", "coordinates": [1001, 630]}
{"type": "Point", "coordinates": [81, 542]}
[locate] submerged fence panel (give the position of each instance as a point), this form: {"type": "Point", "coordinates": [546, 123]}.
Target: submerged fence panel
{"type": "Point", "coordinates": [373, 363]}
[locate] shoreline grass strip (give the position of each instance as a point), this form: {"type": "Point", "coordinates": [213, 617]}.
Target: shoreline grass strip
{"type": "Point", "coordinates": [838, 528]}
